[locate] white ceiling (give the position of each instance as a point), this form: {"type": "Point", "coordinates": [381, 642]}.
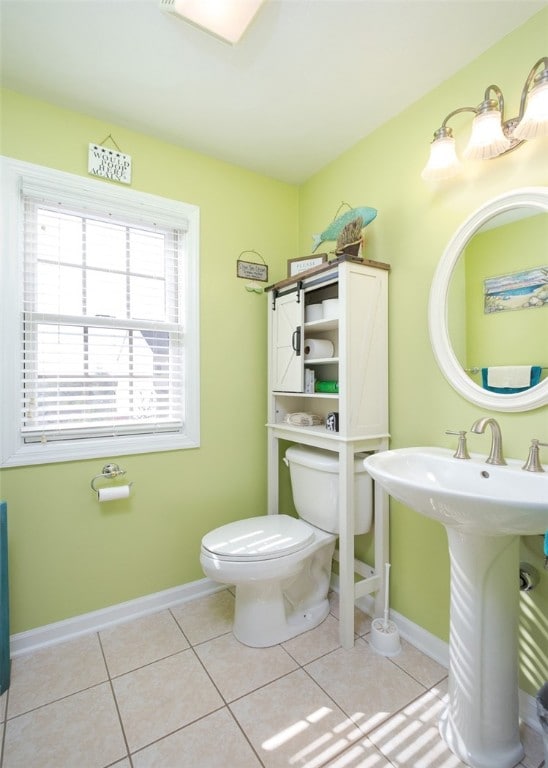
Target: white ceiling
{"type": "Point", "coordinates": [308, 80]}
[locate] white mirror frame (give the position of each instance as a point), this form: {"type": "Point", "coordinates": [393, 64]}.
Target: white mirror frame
{"type": "Point", "coordinates": [532, 197]}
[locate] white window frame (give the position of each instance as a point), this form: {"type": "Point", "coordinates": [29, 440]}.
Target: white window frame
{"type": "Point", "coordinates": [13, 450]}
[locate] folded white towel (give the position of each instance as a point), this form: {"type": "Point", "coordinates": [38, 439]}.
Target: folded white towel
{"type": "Point", "coordinates": [509, 376]}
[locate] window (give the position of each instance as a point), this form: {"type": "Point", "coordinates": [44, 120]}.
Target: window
{"type": "Point", "coordinates": [99, 319]}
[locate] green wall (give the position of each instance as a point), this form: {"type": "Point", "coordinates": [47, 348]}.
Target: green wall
{"type": "Point", "coordinates": [69, 555]}
{"type": "Point", "coordinates": [414, 224]}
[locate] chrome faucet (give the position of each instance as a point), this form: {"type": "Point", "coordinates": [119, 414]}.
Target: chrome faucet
{"type": "Point", "coordinates": [495, 456]}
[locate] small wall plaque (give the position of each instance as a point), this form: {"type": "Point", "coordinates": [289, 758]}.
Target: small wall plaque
{"type": "Point", "coordinates": [109, 163]}
{"type": "Point", "coordinates": [252, 270]}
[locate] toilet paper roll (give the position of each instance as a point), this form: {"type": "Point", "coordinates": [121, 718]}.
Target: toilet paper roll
{"type": "Point", "coordinates": [313, 312]}
{"type": "Point", "coordinates": [317, 348]}
{"type": "Point", "coordinates": [116, 492]}
{"type": "Point", "coordinates": [330, 308]}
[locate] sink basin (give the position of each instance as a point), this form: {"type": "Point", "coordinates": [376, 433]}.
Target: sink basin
{"type": "Point", "coordinates": [465, 493]}
{"type": "Point", "coordinates": [485, 509]}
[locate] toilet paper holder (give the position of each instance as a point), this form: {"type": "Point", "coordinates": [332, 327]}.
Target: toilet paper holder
{"type": "Point", "coordinates": [109, 472]}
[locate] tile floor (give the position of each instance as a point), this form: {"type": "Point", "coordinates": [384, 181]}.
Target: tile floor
{"type": "Point", "coordinates": [176, 690]}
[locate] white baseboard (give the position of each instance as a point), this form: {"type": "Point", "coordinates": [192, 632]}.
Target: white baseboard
{"type": "Point", "coordinates": [86, 623]}
{"type": "Point", "coordinates": [51, 634]}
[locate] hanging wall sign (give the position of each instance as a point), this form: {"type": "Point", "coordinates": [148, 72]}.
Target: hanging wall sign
{"type": "Point", "coordinates": [109, 163]}
{"type": "Point", "coordinates": [251, 269]}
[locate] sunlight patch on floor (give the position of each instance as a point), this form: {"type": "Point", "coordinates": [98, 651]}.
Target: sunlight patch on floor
{"type": "Point", "coordinates": [274, 742]}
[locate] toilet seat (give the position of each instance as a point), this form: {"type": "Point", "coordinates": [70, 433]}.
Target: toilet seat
{"type": "Point", "coordinates": [258, 538]}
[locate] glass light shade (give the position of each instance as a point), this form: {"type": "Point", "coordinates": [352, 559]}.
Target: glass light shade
{"type": "Point", "coordinates": [443, 161]}
{"type": "Point", "coordinates": [227, 19]}
{"type": "Point", "coordinates": [487, 139]}
{"type": "Point", "coordinates": [534, 122]}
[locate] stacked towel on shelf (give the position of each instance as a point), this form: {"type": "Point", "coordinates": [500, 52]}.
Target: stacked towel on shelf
{"type": "Point", "coordinates": [301, 419]}
{"type": "Point", "coordinates": [509, 379]}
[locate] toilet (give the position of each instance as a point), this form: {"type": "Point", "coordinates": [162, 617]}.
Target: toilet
{"type": "Point", "coordinates": [281, 565]}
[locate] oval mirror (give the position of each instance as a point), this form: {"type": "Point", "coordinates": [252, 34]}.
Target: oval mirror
{"type": "Point", "coordinates": [488, 308]}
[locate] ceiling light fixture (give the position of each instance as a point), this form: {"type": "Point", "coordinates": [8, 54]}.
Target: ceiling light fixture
{"type": "Point", "coordinates": [492, 135]}
{"type": "Point", "coordinates": [226, 19]}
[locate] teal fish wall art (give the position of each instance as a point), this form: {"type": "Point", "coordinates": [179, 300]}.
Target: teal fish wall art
{"type": "Point", "coordinates": [333, 231]}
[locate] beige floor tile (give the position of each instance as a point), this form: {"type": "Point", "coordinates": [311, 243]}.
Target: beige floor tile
{"type": "Point", "coordinates": [163, 697]}
{"type": "Point", "coordinates": [315, 643]}
{"type": "Point", "coordinates": [441, 689]}
{"type": "Point", "coordinates": [425, 670]}
{"type": "Point", "coordinates": [206, 617]}
{"type": "Point", "coordinates": [3, 700]}
{"type": "Point", "coordinates": [81, 730]}
{"type": "Point", "coordinates": [238, 669]}
{"type": "Point", "coordinates": [141, 641]}
{"type": "Point", "coordinates": [411, 737]}
{"type": "Point", "coordinates": [51, 673]}
{"type": "Point", "coordinates": [362, 621]}
{"type": "Point", "coordinates": [212, 742]}
{"type": "Point", "coordinates": [361, 755]}
{"type": "Point", "coordinates": [366, 686]}
{"type": "Point", "coordinates": [292, 722]}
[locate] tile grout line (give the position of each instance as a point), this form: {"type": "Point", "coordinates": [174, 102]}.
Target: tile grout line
{"type": "Point", "coordinates": [225, 705]}
{"type": "Point", "coordinates": [302, 667]}
{"type": "Point", "coordinates": [200, 662]}
{"type": "Point", "coordinates": [174, 731]}
{"type": "Point", "coordinates": [151, 663]}
{"type": "Point", "coordinates": [113, 693]}
{"type": "Point", "coordinates": [244, 734]}
{"type": "Point", "coordinates": [365, 734]}
{"type": "Point", "coordinates": [143, 666]}
{"type": "Point", "coordinates": [55, 701]}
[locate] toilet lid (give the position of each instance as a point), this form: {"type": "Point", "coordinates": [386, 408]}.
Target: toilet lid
{"type": "Point", "coordinates": [259, 538]}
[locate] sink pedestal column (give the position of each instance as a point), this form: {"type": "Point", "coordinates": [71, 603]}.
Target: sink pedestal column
{"type": "Point", "coordinates": [481, 723]}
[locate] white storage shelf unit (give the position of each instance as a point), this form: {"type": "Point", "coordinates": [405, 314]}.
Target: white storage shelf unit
{"type": "Point", "coordinates": [359, 363]}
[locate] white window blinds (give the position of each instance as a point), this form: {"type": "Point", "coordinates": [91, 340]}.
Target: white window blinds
{"type": "Point", "coordinates": [103, 304]}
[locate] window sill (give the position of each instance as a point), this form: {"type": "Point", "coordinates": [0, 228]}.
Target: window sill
{"type": "Point", "coordinates": [77, 450]}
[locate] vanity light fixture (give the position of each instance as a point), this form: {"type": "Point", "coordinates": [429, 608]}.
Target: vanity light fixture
{"type": "Point", "coordinates": [225, 19]}
{"type": "Point", "coordinates": [492, 135]}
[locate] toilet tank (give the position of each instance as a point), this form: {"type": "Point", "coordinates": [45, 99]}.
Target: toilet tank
{"type": "Point", "coordinates": [315, 485]}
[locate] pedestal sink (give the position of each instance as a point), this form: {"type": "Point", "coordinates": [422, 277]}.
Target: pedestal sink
{"type": "Point", "coordinates": [485, 509]}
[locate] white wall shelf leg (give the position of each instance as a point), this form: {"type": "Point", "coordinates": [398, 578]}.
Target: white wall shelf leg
{"type": "Point", "coordinates": [346, 546]}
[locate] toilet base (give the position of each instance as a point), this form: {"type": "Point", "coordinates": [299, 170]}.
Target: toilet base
{"type": "Point", "coordinates": [271, 611]}
{"type": "Point", "coordinates": [266, 624]}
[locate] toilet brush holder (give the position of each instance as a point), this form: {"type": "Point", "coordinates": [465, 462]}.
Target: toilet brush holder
{"type": "Point", "coordinates": [385, 637]}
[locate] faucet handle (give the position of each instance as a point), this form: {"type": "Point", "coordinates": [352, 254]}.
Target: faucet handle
{"type": "Point", "coordinates": [533, 460]}
{"type": "Point", "coordinates": [462, 450]}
